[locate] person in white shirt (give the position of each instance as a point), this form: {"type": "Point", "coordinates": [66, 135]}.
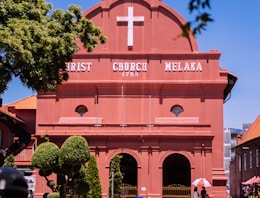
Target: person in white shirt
{"type": "Point", "coordinates": [196, 193]}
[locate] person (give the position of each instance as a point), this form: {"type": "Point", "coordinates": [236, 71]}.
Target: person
{"type": "Point", "coordinates": [195, 193]}
{"type": "Point", "coordinates": [203, 192]}
{"type": "Point", "coordinates": [12, 183]}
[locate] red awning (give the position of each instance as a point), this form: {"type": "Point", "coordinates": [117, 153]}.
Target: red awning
{"type": "Point", "coordinates": [253, 180]}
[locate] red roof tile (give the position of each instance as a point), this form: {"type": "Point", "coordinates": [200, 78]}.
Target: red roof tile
{"type": "Point", "coordinates": [25, 103]}
{"type": "Point", "coordinates": [252, 132]}
{"type": "Point", "coordinates": [10, 114]}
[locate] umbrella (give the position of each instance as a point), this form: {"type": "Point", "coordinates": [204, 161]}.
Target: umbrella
{"type": "Point", "coordinates": [257, 180]}
{"type": "Point", "coordinates": [250, 181]}
{"type": "Point", "coordinates": [200, 182]}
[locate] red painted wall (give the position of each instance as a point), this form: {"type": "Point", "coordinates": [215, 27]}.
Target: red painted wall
{"type": "Point", "coordinates": [129, 112]}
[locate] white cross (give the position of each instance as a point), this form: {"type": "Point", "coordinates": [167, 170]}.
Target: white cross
{"type": "Point", "coordinates": [130, 19]}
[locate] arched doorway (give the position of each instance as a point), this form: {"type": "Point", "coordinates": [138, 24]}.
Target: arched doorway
{"type": "Point", "coordinates": [128, 171]}
{"type": "Point", "coordinates": [176, 175]}
{"type": "Point", "coordinates": [128, 167]}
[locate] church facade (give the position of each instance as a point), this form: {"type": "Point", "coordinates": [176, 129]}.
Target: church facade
{"type": "Point", "coordinates": [147, 94]}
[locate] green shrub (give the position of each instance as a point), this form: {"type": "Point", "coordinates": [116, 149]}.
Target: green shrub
{"type": "Point", "coordinates": [53, 195]}
{"type": "Point", "coordinates": [93, 178]}
{"type": "Point", "coordinates": [46, 156]}
{"type": "Point", "coordinates": [74, 151]}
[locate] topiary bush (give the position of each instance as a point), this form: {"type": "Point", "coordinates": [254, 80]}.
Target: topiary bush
{"type": "Point", "coordinates": [67, 162]}
{"type": "Point", "coordinates": [94, 180]}
{"type": "Point", "coordinates": [46, 156]}
{"type": "Point", "coordinates": [74, 151]}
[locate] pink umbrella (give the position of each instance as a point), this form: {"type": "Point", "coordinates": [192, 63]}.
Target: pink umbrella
{"type": "Point", "coordinates": [200, 182]}
{"type": "Point", "coordinates": [257, 180]}
{"type": "Point", "coordinates": [250, 181]}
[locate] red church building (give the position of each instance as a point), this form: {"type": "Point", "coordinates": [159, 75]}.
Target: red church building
{"type": "Point", "coordinates": [149, 95]}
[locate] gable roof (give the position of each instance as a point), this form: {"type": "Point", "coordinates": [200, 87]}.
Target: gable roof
{"type": "Point", "coordinates": [4, 112]}
{"type": "Point", "coordinates": [15, 126]}
{"type": "Point", "coordinates": [26, 103]}
{"type": "Point", "coordinates": [252, 132]}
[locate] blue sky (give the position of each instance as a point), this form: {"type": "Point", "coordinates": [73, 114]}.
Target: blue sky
{"type": "Point", "coordinates": [234, 32]}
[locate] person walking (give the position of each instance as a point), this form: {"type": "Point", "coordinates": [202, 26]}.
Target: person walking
{"type": "Point", "coordinates": [203, 192]}
{"type": "Point", "coordinates": [196, 193]}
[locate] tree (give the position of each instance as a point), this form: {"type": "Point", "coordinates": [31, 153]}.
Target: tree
{"type": "Point", "coordinates": [93, 178]}
{"type": "Point", "coordinates": [202, 18]}
{"type": "Point", "coordinates": [36, 42]}
{"type": "Point", "coordinates": [115, 177]}
{"type": "Point", "coordinates": [67, 162]}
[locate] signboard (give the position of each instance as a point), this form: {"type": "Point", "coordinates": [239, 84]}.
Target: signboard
{"type": "Point", "coordinates": [31, 181]}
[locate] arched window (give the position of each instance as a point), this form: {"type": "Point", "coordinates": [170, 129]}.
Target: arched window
{"type": "Point", "coordinates": [177, 109]}
{"type": "Point", "coordinates": [81, 109]}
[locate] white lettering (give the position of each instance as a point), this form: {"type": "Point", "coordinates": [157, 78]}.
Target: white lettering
{"type": "Point", "coordinates": [129, 69]}
{"type": "Point", "coordinates": [88, 66]}
{"type": "Point", "coordinates": [188, 67]}
{"type": "Point", "coordinates": [78, 66]}
{"type": "Point", "coordinates": [192, 66]}
{"type": "Point", "coordinates": [121, 67]}
{"type": "Point", "coordinates": [115, 67]}
{"type": "Point", "coordinates": [129, 66]}
{"type": "Point", "coordinates": [199, 67]}
{"type": "Point", "coordinates": [167, 67]}
{"type": "Point", "coordinates": [132, 67]}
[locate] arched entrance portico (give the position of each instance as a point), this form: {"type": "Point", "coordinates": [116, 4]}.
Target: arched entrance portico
{"type": "Point", "coordinates": [176, 175]}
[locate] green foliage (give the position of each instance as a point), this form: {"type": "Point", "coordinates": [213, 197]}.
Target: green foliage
{"type": "Point", "coordinates": [36, 42]}
{"type": "Point", "coordinates": [74, 151]}
{"type": "Point", "coordinates": [80, 186]}
{"type": "Point", "coordinates": [115, 176]}
{"type": "Point", "coordinates": [45, 138]}
{"type": "Point", "coordinates": [9, 161]}
{"type": "Point", "coordinates": [79, 183]}
{"type": "Point", "coordinates": [46, 157]}
{"type": "Point", "coordinates": [94, 180]}
{"type": "Point", "coordinates": [53, 195]}
{"type": "Point", "coordinates": [81, 173]}
{"type": "Point", "coordinates": [201, 20]}
{"type": "Point", "coordinates": [51, 184]}
{"type": "Point", "coordinates": [67, 161]}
